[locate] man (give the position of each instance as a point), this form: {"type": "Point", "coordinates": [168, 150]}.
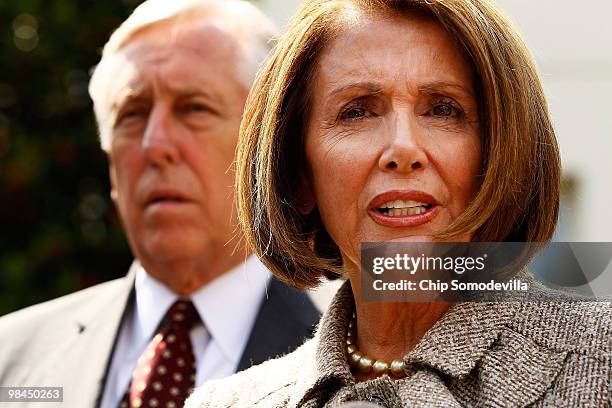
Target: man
{"type": "Point", "coordinates": [168, 94]}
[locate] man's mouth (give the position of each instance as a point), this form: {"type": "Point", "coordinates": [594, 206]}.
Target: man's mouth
{"type": "Point", "coordinates": [165, 197]}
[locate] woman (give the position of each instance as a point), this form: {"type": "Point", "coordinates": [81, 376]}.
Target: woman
{"type": "Point", "coordinates": [436, 105]}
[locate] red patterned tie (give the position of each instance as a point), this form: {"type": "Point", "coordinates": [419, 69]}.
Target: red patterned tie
{"type": "Point", "coordinates": [165, 374]}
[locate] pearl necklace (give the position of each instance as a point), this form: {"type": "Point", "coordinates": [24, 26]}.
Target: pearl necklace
{"type": "Point", "coordinates": [365, 363]}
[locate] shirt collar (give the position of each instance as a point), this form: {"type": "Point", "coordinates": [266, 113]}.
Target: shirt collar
{"type": "Point", "coordinates": [153, 299]}
{"type": "Point", "coordinates": [227, 306]}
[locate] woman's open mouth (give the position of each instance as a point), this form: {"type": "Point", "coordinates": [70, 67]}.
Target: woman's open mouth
{"type": "Point", "coordinates": [403, 208]}
{"type": "Point", "coordinates": [400, 208]}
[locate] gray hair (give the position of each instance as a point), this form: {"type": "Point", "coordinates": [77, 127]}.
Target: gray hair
{"type": "Point", "coordinates": [254, 31]}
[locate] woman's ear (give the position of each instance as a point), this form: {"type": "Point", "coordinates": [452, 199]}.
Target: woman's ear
{"type": "Point", "coordinates": [305, 197]}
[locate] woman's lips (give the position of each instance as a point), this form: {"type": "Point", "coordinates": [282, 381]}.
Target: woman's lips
{"type": "Point", "coordinates": [403, 220]}
{"type": "Point", "coordinates": [403, 208]}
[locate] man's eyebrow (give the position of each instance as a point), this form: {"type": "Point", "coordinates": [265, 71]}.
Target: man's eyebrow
{"type": "Point", "coordinates": [129, 95]}
{"type": "Point", "coordinates": [437, 86]}
{"type": "Point", "coordinates": [189, 91]}
{"type": "Point", "coordinates": [200, 93]}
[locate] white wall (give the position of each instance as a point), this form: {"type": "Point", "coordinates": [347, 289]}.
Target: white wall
{"type": "Point", "coordinates": [572, 43]}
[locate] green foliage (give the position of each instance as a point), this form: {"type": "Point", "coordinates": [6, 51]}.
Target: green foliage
{"type": "Point", "coordinates": [59, 230]}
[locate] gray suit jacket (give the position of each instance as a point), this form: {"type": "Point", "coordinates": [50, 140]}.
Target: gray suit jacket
{"type": "Point", "coordinates": [68, 342]}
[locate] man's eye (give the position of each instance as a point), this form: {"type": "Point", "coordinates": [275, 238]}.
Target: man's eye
{"type": "Point", "coordinates": [131, 114]}
{"type": "Point", "coordinates": [198, 107]}
{"type": "Point", "coordinates": [445, 110]}
{"type": "Point", "coordinates": [194, 108]}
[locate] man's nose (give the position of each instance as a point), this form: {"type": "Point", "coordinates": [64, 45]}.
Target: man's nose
{"type": "Point", "coordinates": [403, 151]}
{"type": "Point", "coordinates": [159, 140]}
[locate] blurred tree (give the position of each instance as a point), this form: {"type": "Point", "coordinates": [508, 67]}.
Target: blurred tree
{"type": "Point", "coordinates": [60, 232]}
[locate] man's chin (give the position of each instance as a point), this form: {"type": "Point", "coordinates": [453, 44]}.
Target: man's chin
{"type": "Point", "coordinates": [168, 250]}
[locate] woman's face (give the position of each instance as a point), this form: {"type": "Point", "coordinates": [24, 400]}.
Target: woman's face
{"type": "Point", "coordinates": [393, 138]}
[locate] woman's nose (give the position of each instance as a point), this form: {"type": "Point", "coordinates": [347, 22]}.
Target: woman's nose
{"type": "Point", "coordinates": [403, 152]}
{"type": "Point", "coordinates": [159, 141]}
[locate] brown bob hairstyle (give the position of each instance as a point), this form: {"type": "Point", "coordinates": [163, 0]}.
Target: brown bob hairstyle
{"type": "Point", "coordinates": [518, 199]}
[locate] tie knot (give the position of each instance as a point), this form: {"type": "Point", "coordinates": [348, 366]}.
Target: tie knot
{"type": "Point", "coordinates": [182, 314]}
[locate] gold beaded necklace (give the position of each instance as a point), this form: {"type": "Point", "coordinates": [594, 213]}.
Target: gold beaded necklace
{"type": "Point", "coordinates": [365, 363]}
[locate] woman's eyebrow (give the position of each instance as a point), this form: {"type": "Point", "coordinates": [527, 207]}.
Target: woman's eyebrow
{"type": "Point", "coordinates": [437, 86]}
{"type": "Point", "coordinates": [375, 88]}
{"type": "Point", "coordinates": [371, 88]}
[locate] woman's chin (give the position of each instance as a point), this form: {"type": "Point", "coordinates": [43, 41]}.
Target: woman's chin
{"type": "Point", "coordinates": [413, 238]}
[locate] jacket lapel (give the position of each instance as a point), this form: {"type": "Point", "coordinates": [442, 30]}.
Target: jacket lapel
{"type": "Point", "coordinates": [517, 372]}
{"type": "Point", "coordinates": [485, 362]}
{"type": "Point", "coordinates": [84, 357]}
{"type": "Point", "coordinates": [285, 319]}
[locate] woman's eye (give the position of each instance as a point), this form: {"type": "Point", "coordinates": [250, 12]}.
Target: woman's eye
{"type": "Point", "coordinates": [353, 113]}
{"type": "Point", "coordinates": [445, 110]}
{"type": "Point", "coordinates": [356, 111]}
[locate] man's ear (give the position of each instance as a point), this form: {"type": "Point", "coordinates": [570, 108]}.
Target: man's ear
{"type": "Point", "coordinates": [305, 196]}
{"type": "Point", "coordinates": [114, 194]}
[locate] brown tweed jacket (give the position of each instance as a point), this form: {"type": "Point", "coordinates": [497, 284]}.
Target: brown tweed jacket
{"type": "Point", "coordinates": [536, 354]}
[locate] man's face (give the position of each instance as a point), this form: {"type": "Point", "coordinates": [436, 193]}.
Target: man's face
{"type": "Point", "coordinates": [177, 103]}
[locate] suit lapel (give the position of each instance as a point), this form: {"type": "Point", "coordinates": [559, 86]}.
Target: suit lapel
{"type": "Point", "coordinates": [88, 352]}
{"type": "Point", "coordinates": [286, 318]}
{"type": "Point", "coordinates": [80, 364]}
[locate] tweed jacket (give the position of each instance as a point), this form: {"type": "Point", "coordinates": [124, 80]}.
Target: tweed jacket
{"type": "Point", "coordinates": [505, 354]}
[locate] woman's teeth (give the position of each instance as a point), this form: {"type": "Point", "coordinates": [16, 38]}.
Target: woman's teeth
{"type": "Point", "coordinates": [400, 208]}
{"type": "Point", "coordinates": [396, 212]}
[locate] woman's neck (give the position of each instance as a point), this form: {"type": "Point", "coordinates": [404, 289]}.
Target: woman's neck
{"type": "Point", "coordinates": [390, 330]}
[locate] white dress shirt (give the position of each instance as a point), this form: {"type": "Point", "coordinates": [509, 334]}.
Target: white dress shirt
{"type": "Point", "coordinates": [228, 307]}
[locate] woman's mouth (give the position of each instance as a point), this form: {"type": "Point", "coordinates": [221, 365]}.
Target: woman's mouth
{"type": "Point", "coordinates": [403, 208]}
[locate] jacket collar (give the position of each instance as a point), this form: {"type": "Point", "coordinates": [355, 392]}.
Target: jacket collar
{"type": "Point", "coordinates": [461, 337]}
{"type": "Point", "coordinates": [93, 327]}
{"type": "Point", "coordinates": [483, 351]}
{"type": "Point", "coordinates": [453, 346]}
{"type": "Point", "coordinates": [85, 320]}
